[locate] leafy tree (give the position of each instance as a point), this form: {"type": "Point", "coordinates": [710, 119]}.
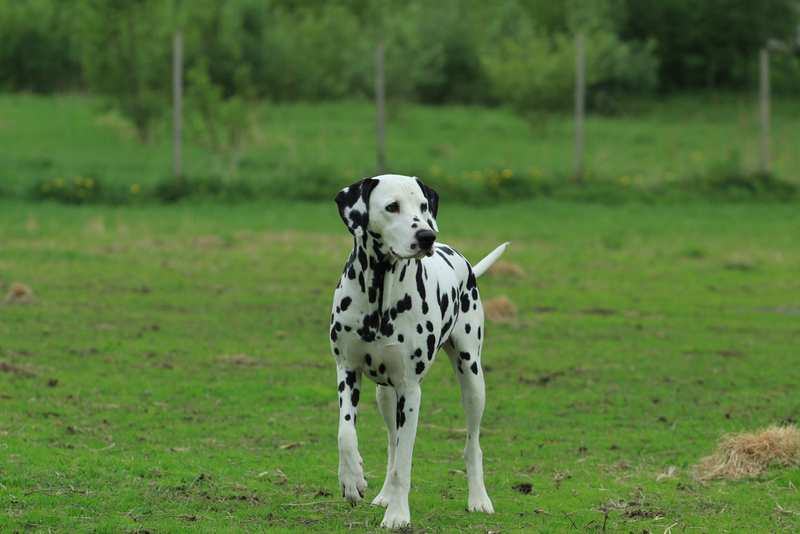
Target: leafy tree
{"type": "Point", "coordinates": [126, 53]}
{"type": "Point", "coordinates": [711, 43]}
{"type": "Point", "coordinates": [37, 52]}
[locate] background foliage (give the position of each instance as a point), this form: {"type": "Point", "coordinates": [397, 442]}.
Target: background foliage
{"type": "Point", "coordinates": [464, 51]}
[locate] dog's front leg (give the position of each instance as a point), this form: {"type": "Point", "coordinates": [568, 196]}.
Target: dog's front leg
{"type": "Point", "coordinates": [387, 403]}
{"type": "Point", "coordinates": [398, 483]}
{"type": "Point", "coordinates": [351, 468]}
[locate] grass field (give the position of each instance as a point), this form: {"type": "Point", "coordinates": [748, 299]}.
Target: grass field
{"type": "Point", "coordinates": [303, 150]}
{"type": "Point", "coordinates": [172, 372]}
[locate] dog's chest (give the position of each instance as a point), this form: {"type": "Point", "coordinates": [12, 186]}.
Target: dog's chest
{"type": "Point", "coordinates": [393, 327]}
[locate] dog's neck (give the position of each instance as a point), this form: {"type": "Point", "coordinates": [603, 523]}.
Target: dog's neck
{"type": "Point", "coordinates": [374, 262]}
{"type": "Point", "coordinates": [375, 272]}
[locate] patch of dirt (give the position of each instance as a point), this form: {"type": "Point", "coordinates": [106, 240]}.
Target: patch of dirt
{"type": "Point", "coordinates": [641, 513]}
{"type": "Point", "coordinates": [605, 312]}
{"type": "Point", "coordinates": [500, 310]}
{"type": "Point", "coordinates": [208, 242]}
{"type": "Point", "coordinates": [242, 360]}
{"type": "Point", "coordinates": [525, 488]}
{"type": "Point", "coordinates": [15, 368]}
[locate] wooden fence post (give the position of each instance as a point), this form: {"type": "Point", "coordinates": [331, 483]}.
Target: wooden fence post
{"type": "Point", "coordinates": [580, 97]}
{"type": "Point", "coordinates": [177, 103]}
{"type": "Point", "coordinates": [764, 107]}
{"type": "Point", "coordinates": [380, 104]}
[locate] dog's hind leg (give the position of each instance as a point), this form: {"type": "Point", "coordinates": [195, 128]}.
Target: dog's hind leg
{"type": "Point", "coordinates": [463, 350]}
{"type": "Point", "coordinates": [387, 403]}
{"type": "Point", "coordinates": [351, 468]}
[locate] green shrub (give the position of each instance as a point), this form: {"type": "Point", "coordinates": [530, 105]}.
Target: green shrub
{"type": "Point", "coordinates": [37, 51]}
{"type": "Point", "coordinates": [539, 72]}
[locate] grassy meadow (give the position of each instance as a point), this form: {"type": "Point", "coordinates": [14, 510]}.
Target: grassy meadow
{"type": "Point", "coordinates": [305, 150]}
{"type": "Point", "coordinates": [171, 372]}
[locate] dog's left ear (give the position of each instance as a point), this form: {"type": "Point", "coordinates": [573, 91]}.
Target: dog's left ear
{"type": "Point", "coordinates": [433, 203]}
{"type": "Point", "coordinates": [353, 202]}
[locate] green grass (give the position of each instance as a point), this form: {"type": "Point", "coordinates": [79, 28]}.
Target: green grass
{"type": "Point", "coordinates": [304, 150]}
{"type": "Point", "coordinates": [173, 372]}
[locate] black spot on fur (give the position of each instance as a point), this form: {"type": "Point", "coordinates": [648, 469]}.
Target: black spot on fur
{"type": "Point", "coordinates": [467, 328]}
{"type": "Point", "coordinates": [465, 356]}
{"type": "Point", "coordinates": [404, 304]}
{"type": "Point", "coordinates": [441, 255]}
{"type": "Point", "coordinates": [355, 397]}
{"type": "Point", "coordinates": [350, 378]}
{"type": "Point", "coordinates": [362, 258]}
{"type": "Point", "coordinates": [420, 282]}
{"type": "Point", "coordinates": [401, 415]}
{"type": "Point", "coordinates": [382, 369]}
{"type": "Point", "coordinates": [341, 386]}
{"type": "Point", "coordinates": [368, 360]}
{"type": "Point", "coordinates": [403, 271]}
{"type": "Point", "coordinates": [446, 327]}
{"type": "Point", "coordinates": [419, 329]}
{"type": "Point", "coordinates": [346, 303]}
{"type": "Point", "coordinates": [429, 326]}
{"type": "Point", "coordinates": [400, 338]}
{"type": "Point", "coordinates": [431, 346]}
{"type": "Point", "coordinates": [471, 281]}
{"type": "Point", "coordinates": [347, 417]}
{"type": "Point", "coordinates": [420, 367]}
{"type": "Point", "coordinates": [465, 302]}
{"type": "Point", "coordinates": [474, 368]}
{"type": "Point", "coordinates": [444, 303]}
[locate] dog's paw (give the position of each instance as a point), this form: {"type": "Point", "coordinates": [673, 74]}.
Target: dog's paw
{"type": "Point", "coordinates": [396, 519]}
{"type": "Point", "coordinates": [382, 499]}
{"type": "Point", "coordinates": [352, 484]}
{"type": "Point", "coordinates": [482, 504]}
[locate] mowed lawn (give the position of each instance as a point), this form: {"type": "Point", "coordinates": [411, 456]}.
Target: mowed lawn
{"type": "Point", "coordinates": [171, 372]}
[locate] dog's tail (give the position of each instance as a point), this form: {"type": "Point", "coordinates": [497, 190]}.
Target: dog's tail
{"type": "Point", "coordinates": [487, 262]}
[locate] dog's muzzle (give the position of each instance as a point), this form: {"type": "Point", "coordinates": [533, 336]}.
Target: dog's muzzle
{"type": "Point", "coordinates": [425, 238]}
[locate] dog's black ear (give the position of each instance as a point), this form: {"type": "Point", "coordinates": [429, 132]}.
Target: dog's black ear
{"type": "Point", "coordinates": [433, 203]}
{"type": "Point", "coordinates": [353, 202]}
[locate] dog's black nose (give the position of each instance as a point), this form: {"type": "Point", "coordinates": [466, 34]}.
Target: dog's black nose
{"type": "Point", "coordinates": [425, 239]}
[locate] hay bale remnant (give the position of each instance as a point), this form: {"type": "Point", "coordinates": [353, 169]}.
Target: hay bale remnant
{"type": "Point", "coordinates": [19, 293]}
{"type": "Point", "coordinates": [749, 454]}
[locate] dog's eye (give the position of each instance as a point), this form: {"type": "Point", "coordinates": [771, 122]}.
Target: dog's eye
{"type": "Point", "coordinates": [424, 206]}
{"type": "Point", "coordinates": [394, 207]}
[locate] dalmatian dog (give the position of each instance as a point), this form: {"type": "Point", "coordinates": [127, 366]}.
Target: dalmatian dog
{"type": "Point", "coordinates": [401, 298]}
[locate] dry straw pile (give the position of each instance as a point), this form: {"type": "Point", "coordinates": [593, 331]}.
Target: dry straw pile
{"type": "Point", "coordinates": [19, 294]}
{"type": "Point", "coordinates": [747, 455]}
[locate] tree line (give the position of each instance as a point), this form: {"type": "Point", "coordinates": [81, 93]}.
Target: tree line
{"type": "Point", "coordinates": [515, 52]}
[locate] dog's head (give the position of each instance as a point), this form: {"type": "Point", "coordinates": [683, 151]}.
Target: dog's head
{"type": "Point", "coordinates": [398, 210]}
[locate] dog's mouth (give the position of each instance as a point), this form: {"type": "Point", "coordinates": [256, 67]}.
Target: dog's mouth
{"type": "Point", "coordinates": [417, 256]}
